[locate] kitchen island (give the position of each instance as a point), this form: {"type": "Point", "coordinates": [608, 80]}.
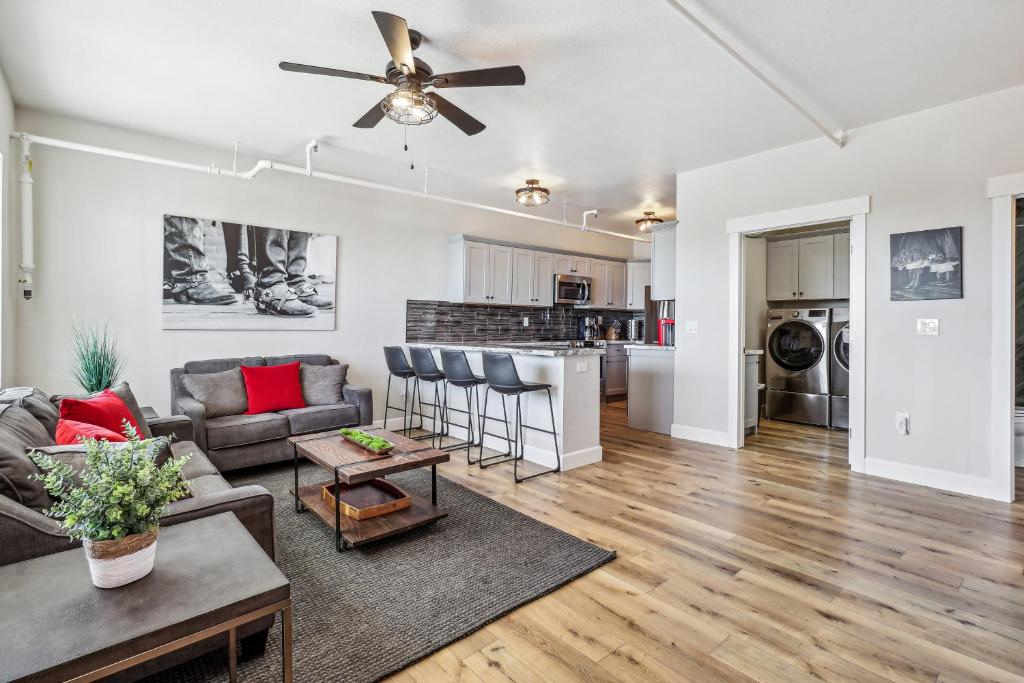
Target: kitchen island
{"type": "Point", "coordinates": [574, 374]}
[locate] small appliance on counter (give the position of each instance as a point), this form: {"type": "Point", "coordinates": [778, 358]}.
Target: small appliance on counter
{"type": "Point", "coordinates": [588, 328]}
{"type": "Point", "coordinates": [659, 320]}
{"type": "Point", "coordinates": [635, 330]}
{"type": "Point", "coordinates": [666, 332]}
{"type": "Point", "coordinates": [614, 331]}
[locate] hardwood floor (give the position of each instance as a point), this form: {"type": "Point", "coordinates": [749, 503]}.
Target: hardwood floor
{"type": "Point", "coordinates": [773, 563]}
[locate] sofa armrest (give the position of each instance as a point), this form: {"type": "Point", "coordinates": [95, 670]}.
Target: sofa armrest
{"type": "Point", "coordinates": [25, 533]}
{"type": "Point", "coordinates": [195, 411]}
{"type": "Point", "coordinates": [362, 398]}
{"type": "Point", "coordinates": [177, 426]}
{"type": "Point", "coordinates": [253, 505]}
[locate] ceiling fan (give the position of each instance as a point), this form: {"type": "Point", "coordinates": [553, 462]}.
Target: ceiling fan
{"type": "Point", "coordinates": [408, 104]}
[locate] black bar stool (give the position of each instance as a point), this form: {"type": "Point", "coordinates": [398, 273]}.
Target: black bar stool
{"type": "Point", "coordinates": [460, 375]}
{"type": "Point", "coordinates": [427, 371]}
{"type": "Point", "coordinates": [399, 367]}
{"type": "Point", "coordinates": [502, 377]}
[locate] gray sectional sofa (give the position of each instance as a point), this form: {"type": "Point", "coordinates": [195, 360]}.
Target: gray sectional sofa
{"type": "Point", "coordinates": [236, 440]}
{"type": "Point", "coordinates": [28, 418]}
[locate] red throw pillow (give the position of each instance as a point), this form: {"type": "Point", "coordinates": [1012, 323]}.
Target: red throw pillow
{"type": "Point", "coordinates": [70, 433]}
{"type": "Point", "coordinates": [106, 409]}
{"type": "Point", "coordinates": [272, 387]}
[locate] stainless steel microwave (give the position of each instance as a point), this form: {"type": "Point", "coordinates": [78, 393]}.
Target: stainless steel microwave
{"type": "Point", "coordinates": [573, 289]}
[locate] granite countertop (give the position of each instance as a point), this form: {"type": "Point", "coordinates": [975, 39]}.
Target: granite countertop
{"type": "Point", "coordinates": [650, 347]}
{"type": "Point", "coordinates": [552, 349]}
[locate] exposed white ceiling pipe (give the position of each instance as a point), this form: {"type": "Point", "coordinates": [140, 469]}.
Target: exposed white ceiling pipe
{"type": "Point", "coordinates": [585, 227]}
{"type": "Point", "coordinates": [838, 138]}
{"type": "Point", "coordinates": [267, 164]}
{"type": "Point", "coordinates": [28, 264]}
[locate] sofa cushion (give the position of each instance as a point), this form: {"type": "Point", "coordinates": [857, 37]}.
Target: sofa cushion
{"type": "Point", "coordinates": [124, 391]}
{"type": "Point", "coordinates": [20, 432]}
{"type": "Point", "coordinates": [34, 401]}
{"type": "Point", "coordinates": [321, 384]}
{"type": "Point", "coordinates": [304, 358]}
{"type": "Point", "coordinates": [321, 418]}
{"type": "Point", "coordinates": [221, 393]}
{"type": "Point", "coordinates": [206, 485]}
{"type": "Point", "coordinates": [273, 388]}
{"type": "Point", "coordinates": [202, 367]}
{"type": "Point", "coordinates": [238, 430]}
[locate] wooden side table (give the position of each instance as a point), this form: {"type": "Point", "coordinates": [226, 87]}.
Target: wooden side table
{"type": "Point", "coordinates": [210, 577]}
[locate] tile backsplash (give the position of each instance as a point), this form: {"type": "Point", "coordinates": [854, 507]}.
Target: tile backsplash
{"type": "Point", "coordinates": [443, 321]}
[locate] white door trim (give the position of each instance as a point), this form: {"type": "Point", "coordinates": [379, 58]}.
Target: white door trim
{"type": "Point", "coordinates": [1002, 192]}
{"type": "Point", "coordinates": [855, 210]}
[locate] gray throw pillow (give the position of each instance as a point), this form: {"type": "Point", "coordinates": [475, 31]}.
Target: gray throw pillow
{"type": "Point", "coordinates": [321, 384]}
{"type": "Point", "coordinates": [19, 433]}
{"type": "Point", "coordinates": [223, 393]}
{"type": "Point", "coordinates": [124, 391]}
{"type": "Point", "coordinates": [34, 401]}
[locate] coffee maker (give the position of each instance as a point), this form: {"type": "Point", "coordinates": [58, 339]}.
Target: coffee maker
{"type": "Point", "coordinates": [588, 329]}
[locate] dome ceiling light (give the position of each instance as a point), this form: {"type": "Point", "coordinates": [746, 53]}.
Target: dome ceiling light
{"type": "Point", "coordinates": [646, 223]}
{"type": "Point", "coordinates": [533, 194]}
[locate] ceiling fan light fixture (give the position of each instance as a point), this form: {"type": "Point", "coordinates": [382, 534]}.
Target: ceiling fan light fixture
{"type": "Point", "coordinates": [409, 105]}
{"type": "Point", "coordinates": [533, 194]}
{"type": "Point", "coordinates": [648, 221]}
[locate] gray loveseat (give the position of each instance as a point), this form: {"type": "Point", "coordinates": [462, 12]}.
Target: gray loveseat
{"type": "Point", "coordinates": [236, 441]}
{"type": "Point", "coordinates": [28, 418]}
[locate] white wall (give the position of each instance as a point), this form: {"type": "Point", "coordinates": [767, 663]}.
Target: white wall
{"type": "Point", "coordinates": [925, 170]}
{"type": "Point", "coordinates": [99, 232]}
{"type": "Point", "coordinates": [8, 261]}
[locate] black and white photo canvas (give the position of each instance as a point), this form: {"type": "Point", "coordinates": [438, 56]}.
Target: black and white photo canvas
{"type": "Point", "coordinates": [926, 264]}
{"type": "Point", "coordinates": [220, 275]}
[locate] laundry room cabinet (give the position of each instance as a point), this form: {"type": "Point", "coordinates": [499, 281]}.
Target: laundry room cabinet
{"type": "Point", "coordinates": [806, 268]}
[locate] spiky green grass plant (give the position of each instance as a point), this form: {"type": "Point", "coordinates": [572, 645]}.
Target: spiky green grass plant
{"type": "Point", "coordinates": [96, 359]}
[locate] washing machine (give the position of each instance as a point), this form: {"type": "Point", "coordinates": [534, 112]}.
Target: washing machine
{"type": "Point", "coordinates": [797, 364]}
{"type": "Point", "coordinates": [839, 369]}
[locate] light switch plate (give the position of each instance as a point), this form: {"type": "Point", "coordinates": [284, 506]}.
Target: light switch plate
{"type": "Point", "coordinates": [582, 367]}
{"type": "Point", "coordinates": [691, 327]}
{"type": "Point", "coordinates": [903, 424]}
{"type": "Point", "coordinates": [928, 327]}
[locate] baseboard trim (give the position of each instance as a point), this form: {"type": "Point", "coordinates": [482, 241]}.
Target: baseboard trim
{"type": "Point", "coordinates": [954, 482]}
{"type": "Point", "coordinates": [701, 435]}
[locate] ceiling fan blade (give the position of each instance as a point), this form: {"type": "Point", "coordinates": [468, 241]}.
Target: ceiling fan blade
{"type": "Point", "coordinates": [324, 71]}
{"type": "Point", "coordinates": [463, 121]}
{"type": "Point", "coordinates": [501, 75]}
{"type": "Point", "coordinates": [371, 118]}
{"type": "Point", "coordinates": [396, 34]}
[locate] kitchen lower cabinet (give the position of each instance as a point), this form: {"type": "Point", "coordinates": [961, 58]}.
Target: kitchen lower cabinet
{"type": "Point", "coordinates": [651, 388]}
{"type": "Point", "coordinates": [616, 370]}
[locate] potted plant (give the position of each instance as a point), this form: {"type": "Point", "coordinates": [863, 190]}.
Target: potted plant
{"type": "Point", "coordinates": [96, 358]}
{"type": "Point", "coordinates": [114, 505]}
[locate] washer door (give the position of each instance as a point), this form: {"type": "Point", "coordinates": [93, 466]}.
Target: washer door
{"type": "Point", "coordinates": [796, 346]}
{"type": "Point", "coordinates": [841, 347]}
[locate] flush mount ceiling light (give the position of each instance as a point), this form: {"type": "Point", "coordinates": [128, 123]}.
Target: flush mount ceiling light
{"type": "Point", "coordinates": [647, 222]}
{"type": "Point", "coordinates": [409, 105]}
{"type": "Point", "coordinates": [533, 194]}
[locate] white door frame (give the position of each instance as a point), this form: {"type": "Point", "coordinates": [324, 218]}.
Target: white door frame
{"type": "Point", "coordinates": [1002, 193]}
{"type": "Point", "coordinates": [855, 210]}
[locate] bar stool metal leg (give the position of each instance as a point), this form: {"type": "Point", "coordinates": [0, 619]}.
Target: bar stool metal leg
{"type": "Point", "coordinates": [554, 436]}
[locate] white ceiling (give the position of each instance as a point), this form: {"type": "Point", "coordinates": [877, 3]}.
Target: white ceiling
{"type": "Point", "coordinates": [620, 96]}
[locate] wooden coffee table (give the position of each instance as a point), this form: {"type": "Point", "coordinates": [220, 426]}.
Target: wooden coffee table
{"type": "Point", "coordinates": [353, 465]}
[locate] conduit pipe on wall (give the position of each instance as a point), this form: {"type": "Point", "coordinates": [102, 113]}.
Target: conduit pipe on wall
{"type": "Point", "coordinates": [28, 264]}
{"type": "Point", "coordinates": [267, 164]}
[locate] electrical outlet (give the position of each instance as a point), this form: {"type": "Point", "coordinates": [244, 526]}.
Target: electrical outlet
{"type": "Point", "coordinates": [582, 367]}
{"type": "Point", "coordinates": [691, 327]}
{"type": "Point", "coordinates": [928, 327]}
{"type": "Point", "coordinates": [903, 424]}
{"type": "Point", "coordinates": [526, 321]}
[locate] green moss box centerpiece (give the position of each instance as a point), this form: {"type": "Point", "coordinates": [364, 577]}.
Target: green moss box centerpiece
{"type": "Point", "coordinates": [371, 442]}
{"type": "Point", "coordinates": [114, 505]}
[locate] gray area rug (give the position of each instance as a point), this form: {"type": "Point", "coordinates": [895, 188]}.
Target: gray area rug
{"type": "Point", "coordinates": [371, 611]}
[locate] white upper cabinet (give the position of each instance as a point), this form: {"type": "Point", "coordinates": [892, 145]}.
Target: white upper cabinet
{"type": "Point", "coordinates": [816, 267]}
{"type": "Point", "coordinates": [663, 262]}
{"type": "Point", "coordinates": [522, 277]}
{"type": "Point", "coordinates": [581, 266]}
{"type": "Point", "coordinates": [563, 264]}
{"type": "Point", "coordinates": [616, 284]}
{"type": "Point", "coordinates": [813, 268]}
{"type": "Point", "coordinates": [783, 270]}
{"type": "Point", "coordinates": [599, 297]}
{"type": "Point", "coordinates": [543, 282]}
{"type": "Point", "coordinates": [639, 276]}
{"type": "Point", "coordinates": [476, 288]}
{"type": "Point", "coordinates": [841, 266]}
{"type": "Point", "coordinates": [500, 274]}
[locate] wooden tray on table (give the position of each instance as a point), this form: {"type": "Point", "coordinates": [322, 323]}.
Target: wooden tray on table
{"type": "Point", "coordinates": [371, 499]}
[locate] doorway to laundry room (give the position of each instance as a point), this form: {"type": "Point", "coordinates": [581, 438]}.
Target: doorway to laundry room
{"type": "Point", "coordinates": [797, 339]}
{"type": "Point", "coordinates": [1018, 413]}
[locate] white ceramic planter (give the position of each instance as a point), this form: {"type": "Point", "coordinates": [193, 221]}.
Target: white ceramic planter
{"type": "Point", "coordinates": [117, 563]}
